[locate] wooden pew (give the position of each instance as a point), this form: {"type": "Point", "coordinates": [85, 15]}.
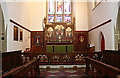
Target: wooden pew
{"type": "Point", "coordinates": [28, 70]}
{"type": "Point", "coordinates": [97, 69]}
{"type": "Point", "coordinates": [11, 60]}
{"type": "Point", "coordinates": [111, 57]}
{"type": "Point", "coordinates": [63, 58]}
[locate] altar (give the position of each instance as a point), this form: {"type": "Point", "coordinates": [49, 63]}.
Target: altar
{"type": "Point", "coordinates": [59, 37]}
{"type": "Point", "coordinates": [59, 47]}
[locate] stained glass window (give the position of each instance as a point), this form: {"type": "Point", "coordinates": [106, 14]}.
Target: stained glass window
{"type": "Point", "coordinates": [59, 6]}
{"type": "Point", "coordinates": [59, 18]}
{"type": "Point", "coordinates": [59, 10]}
{"type": "Point", "coordinates": [51, 18]}
{"type": "Point", "coordinates": [51, 7]}
{"type": "Point", "coordinates": [67, 6]}
{"type": "Point", "coordinates": [68, 18]}
{"type": "Point", "coordinates": [51, 11]}
{"type": "Point", "coordinates": [67, 10]}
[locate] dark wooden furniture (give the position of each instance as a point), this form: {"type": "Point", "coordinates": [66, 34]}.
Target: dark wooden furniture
{"type": "Point", "coordinates": [78, 38]}
{"type": "Point", "coordinates": [97, 69]}
{"type": "Point", "coordinates": [80, 41]}
{"type": "Point", "coordinates": [54, 26]}
{"type": "Point", "coordinates": [111, 57]}
{"type": "Point", "coordinates": [63, 58]}
{"type": "Point", "coordinates": [39, 47]}
{"type": "Point", "coordinates": [11, 60]}
{"type": "Point", "coordinates": [28, 70]}
{"type": "Point", "coordinates": [58, 32]}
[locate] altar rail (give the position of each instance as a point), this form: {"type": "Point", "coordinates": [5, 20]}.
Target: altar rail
{"type": "Point", "coordinates": [99, 69]}
{"type": "Point", "coordinates": [28, 70]}
{"type": "Point", "coordinates": [62, 58]}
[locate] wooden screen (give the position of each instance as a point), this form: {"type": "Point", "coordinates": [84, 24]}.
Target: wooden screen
{"type": "Point", "coordinates": [59, 32]}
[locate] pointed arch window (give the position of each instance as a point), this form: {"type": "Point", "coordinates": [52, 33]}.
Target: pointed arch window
{"type": "Point", "coordinates": [59, 11]}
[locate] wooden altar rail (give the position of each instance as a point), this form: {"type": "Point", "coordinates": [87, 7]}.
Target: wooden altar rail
{"type": "Point", "coordinates": [63, 58]}
{"type": "Point", "coordinates": [99, 69]}
{"type": "Point", "coordinates": [28, 70]}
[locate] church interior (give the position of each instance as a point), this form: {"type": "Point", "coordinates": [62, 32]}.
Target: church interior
{"type": "Point", "coordinates": [59, 39]}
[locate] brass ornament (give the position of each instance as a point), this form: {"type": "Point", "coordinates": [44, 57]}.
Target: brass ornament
{"type": "Point", "coordinates": [81, 39]}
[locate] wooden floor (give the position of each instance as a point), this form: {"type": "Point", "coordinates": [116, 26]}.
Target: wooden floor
{"type": "Point", "coordinates": [63, 73]}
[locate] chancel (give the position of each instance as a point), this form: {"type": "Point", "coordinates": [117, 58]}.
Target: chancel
{"type": "Point", "coordinates": [60, 38]}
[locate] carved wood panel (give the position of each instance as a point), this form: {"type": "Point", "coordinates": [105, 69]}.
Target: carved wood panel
{"type": "Point", "coordinates": [37, 41]}
{"type": "Point", "coordinates": [63, 32]}
{"type": "Point", "coordinates": [80, 41]}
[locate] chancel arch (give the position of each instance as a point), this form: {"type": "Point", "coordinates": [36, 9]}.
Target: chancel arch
{"type": "Point", "coordinates": [117, 31]}
{"type": "Point", "coordinates": [3, 33]}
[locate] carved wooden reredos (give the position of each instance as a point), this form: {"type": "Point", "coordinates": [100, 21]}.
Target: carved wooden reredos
{"type": "Point", "coordinates": [59, 31]}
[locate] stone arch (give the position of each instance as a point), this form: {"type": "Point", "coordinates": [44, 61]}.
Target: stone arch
{"type": "Point", "coordinates": [117, 30]}
{"type": "Point", "coordinates": [3, 33]}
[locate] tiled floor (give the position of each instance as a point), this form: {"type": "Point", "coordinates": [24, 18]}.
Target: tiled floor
{"type": "Point", "coordinates": [62, 73]}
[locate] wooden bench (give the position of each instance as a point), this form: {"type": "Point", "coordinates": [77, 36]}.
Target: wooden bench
{"type": "Point", "coordinates": [63, 58]}
{"type": "Point", "coordinates": [111, 57]}
{"type": "Point", "coordinates": [95, 69]}
{"type": "Point", "coordinates": [11, 60]}
{"type": "Point", "coordinates": [28, 70]}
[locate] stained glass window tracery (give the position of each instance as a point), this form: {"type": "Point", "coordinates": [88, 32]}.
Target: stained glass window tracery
{"type": "Point", "coordinates": [59, 11]}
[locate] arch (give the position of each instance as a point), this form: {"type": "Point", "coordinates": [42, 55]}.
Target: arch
{"type": "Point", "coordinates": [117, 30]}
{"type": "Point", "coordinates": [3, 33]}
{"type": "Point", "coordinates": [102, 41]}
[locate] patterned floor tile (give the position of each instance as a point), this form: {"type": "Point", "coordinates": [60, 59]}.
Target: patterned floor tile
{"type": "Point", "coordinates": [53, 71]}
{"type": "Point", "coordinates": [71, 71]}
{"type": "Point", "coordinates": [62, 73]}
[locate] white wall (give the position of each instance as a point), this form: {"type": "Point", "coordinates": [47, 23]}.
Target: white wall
{"type": "Point", "coordinates": [31, 14]}
{"type": "Point", "coordinates": [3, 43]}
{"type": "Point", "coordinates": [18, 12]}
{"type": "Point", "coordinates": [104, 11]}
{"type": "Point", "coordinates": [1, 24]}
{"type": "Point", "coordinates": [37, 12]}
{"type": "Point", "coordinates": [17, 45]}
{"type": "Point", "coordinates": [81, 16]}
